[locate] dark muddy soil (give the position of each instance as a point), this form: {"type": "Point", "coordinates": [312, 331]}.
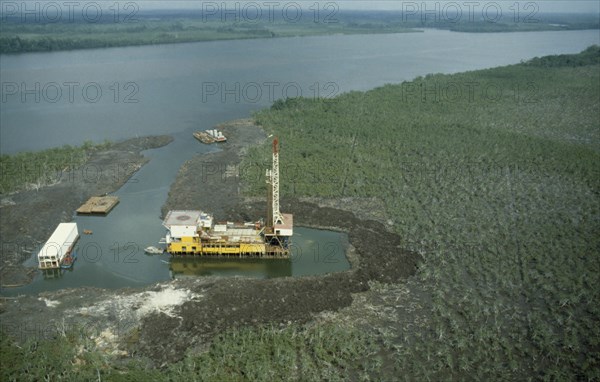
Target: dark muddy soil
{"type": "Point", "coordinates": [237, 301]}
{"type": "Point", "coordinates": [28, 218]}
{"type": "Point", "coordinates": [210, 305]}
{"type": "Point", "coordinates": [210, 181]}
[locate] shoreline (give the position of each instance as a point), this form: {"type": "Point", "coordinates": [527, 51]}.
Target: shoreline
{"type": "Point", "coordinates": [236, 38]}
{"type": "Point", "coordinates": [206, 306]}
{"type": "Point", "coordinates": [419, 29]}
{"type": "Point", "coordinates": [28, 217]}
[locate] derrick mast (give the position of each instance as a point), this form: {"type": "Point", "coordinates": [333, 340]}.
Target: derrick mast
{"type": "Point", "coordinates": [279, 226]}
{"type": "Point", "coordinates": [275, 216]}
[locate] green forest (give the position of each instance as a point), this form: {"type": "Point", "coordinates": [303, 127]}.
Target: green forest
{"type": "Point", "coordinates": [491, 175]}
{"type": "Point", "coordinates": [34, 169]}
{"type": "Point", "coordinates": [20, 37]}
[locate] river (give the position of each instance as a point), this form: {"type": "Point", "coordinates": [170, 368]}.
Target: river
{"type": "Point", "coordinates": [51, 99]}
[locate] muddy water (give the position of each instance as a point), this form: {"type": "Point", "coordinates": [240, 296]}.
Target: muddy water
{"type": "Point", "coordinates": [119, 93]}
{"type": "Point", "coordinates": [113, 255]}
{"type": "Point", "coordinates": [313, 252]}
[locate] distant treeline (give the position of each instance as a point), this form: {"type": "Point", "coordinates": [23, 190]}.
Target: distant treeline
{"type": "Point", "coordinates": [52, 37]}
{"type": "Point", "coordinates": [161, 27]}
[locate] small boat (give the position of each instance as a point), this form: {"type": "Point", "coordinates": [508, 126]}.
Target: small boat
{"type": "Point", "coordinates": [69, 260]}
{"type": "Point", "coordinates": [87, 232]}
{"type": "Point", "coordinates": [216, 135]}
{"type": "Point", "coordinates": [153, 250]}
{"type": "Point", "coordinates": [210, 136]}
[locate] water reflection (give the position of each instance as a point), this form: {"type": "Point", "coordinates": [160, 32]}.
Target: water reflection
{"type": "Point", "coordinates": [258, 268]}
{"type": "Point", "coordinates": [313, 252]}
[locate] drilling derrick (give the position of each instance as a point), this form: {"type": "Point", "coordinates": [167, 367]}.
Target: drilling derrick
{"type": "Point", "coordinates": [192, 232]}
{"type": "Point", "coordinates": [275, 216]}
{"type": "Point", "coordinates": [279, 226]}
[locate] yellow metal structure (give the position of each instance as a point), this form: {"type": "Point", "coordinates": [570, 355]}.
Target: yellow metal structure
{"type": "Point", "coordinates": [193, 232]}
{"type": "Point", "coordinates": [193, 247]}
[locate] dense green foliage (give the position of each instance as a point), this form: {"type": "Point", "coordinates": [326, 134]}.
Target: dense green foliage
{"type": "Point", "coordinates": [326, 352]}
{"type": "Point", "coordinates": [498, 187]}
{"type": "Point", "coordinates": [29, 170]}
{"type": "Point", "coordinates": [321, 353]}
{"type": "Point", "coordinates": [69, 356]}
{"type": "Point", "coordinates": [590, 56]}
{"type": "Point", "coordinates": [145, 29]}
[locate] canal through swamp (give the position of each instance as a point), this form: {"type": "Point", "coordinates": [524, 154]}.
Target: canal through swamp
{"type": "Point", "coordinates": [113, 256]}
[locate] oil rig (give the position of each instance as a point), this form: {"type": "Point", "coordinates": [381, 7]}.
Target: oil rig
{"type": "Point", "coordinates": [195, 232]}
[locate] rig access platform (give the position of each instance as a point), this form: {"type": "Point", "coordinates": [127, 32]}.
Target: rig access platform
{"type": "Point", "coordinates": [195, 232]}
